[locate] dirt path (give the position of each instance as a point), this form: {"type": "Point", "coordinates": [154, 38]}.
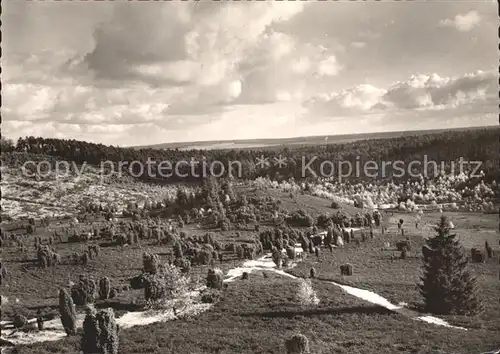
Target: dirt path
{"type": "Point", "coordinates": [54, 331]}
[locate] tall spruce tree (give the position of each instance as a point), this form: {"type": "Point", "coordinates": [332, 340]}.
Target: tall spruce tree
{"type": "Point", "coordinates": [447, 284]}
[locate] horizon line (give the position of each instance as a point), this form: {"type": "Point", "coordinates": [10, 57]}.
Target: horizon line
{"type": "Point", "coordinates": [303, 136]}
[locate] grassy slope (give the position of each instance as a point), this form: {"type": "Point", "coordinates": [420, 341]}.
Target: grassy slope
{"type": "Point", "coordinates": [374, 270]}
{"type": "Point", "coordinates": [256, 316]}
{"type": "Point", "coordinates": [312, 204]}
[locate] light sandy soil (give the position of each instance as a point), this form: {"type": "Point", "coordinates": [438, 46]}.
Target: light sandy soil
{"type": "Point", "coordinates": [53, 329]}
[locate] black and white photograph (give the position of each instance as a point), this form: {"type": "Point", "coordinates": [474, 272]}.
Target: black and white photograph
{"type": "Point", "coordinates": [250, 177]}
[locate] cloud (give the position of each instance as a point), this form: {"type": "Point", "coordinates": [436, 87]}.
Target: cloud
{"type": "Point", "coordinates": [475, 92]}
{"type": "Point", "coordinates": [142, 73]}
{"type": "Point", "coordinates": [195, 43]}
{"type": "Point", "coordinates": [358, 45]}
{"type": "Point", "coordinates": [463, 23]}
{"type": "Point", "coordinates": [280, 68]}
{"type": "Point", "coordinates": [359, 99]}
{"type": "Point", "coordinates": [156, 63]}
{"type": "Point", "coordinates": [431, 91]}
{"type": "Point", "coordinates": [202, 47]}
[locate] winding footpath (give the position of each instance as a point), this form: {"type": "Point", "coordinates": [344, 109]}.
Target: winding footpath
{"type": "Point", "coordinates": [54, 331]}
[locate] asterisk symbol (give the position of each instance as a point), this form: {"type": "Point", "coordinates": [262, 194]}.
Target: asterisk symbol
{"type": "Point", "coordinates": [262, 162]}
{"type": "Point", "coordinates": [280, 161]}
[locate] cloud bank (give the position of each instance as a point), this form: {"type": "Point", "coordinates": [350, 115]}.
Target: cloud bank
{"type": "Point", "coordinates": [139, 73]}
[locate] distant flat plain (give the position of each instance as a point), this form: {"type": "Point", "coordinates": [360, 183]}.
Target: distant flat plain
{"type": "Point", "coordinates": [294, 141]}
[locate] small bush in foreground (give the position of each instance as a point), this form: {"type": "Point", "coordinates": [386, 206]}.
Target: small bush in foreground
{"type": "Point", "coordinates": [19, 321]}
{"type": "Point", "coordinates": [104, 288]}
{"type": "Point", "coordinates": [210, 296]}
{"type": "Point", "coordinates": [84, 292]}
{"type": "Point", "coordinates": [297, 344]}
{"type": "Point", "coordinates": [150, 263]}
{"type": "Point", "coordinates": [214, 279]}
{"type": "Point", "coordinates": [67, 312]}
{"type": "Point", "coordinates": [306, 294]}
{"type": "Point", "coordinates": [100, 333]}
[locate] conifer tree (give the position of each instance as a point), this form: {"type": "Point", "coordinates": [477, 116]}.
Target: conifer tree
{"type": "Point", "coordinates": [447, 284]}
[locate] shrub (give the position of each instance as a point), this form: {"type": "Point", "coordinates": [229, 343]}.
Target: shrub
{"type": "Point", "coordinates": [39, 321]}
{"type": "Point", "coordinates": [248, 251]}
{"type": "Point", "coordinates": [225, 225]}
{"type": "Point", "coordinates": [240, 252]}
{"type": "Point", "coordinates": [94, 251]}
{"type": "Point", "coordinates": [346, 269]}
{"type": "Point", "coordinates": [178, 250]}
{"type": "Point", "coordinates": [277, 257]}
{"type": "Point", "coordinates": [30, 229]}
{"type": "Point", "coordinates": [3, 272]}
{"type": "Point", "coordinates": [84, 292]}
{"type": "Point", "coordinates": [244, 276]}
{"type": "Point", "coordinates": [208, 238]}
{"type": "Point", "coordinates": [67, 312]}
{"type": "Point", "coordinates": [477, 256]}
{"type": "Point", "coordinates": [323, 220]}
{"type": "Point", "coordinates": [306, 294]}
{"type": "Point", "coordinates": [183, 263]}
{"type": "Point", "coordinates": [210, 296]}
{"type": "Point", "coordinates": [489, 250]}
{"type": "Point", "coordinates": [300, 218]}
{"type": "Point", "coordinates": [150, 263]}
{"type": "Point", "coordinates": [104, 288]}
{"type": "Point", "coordinates": [139, 281]}
{"type": "Point", "coordinates": [312, 273]}
{"type": "Point", "coordinates": [46, 257]}
{"type": "Point", "coordinates": [165, 285]}
{"type": "Point", "coordinates": [204, 257]}
{"type": "Point", "coordinates": [100, 333]}
{"type": "Point", "coordinates": [297, 344]}
{"type": "Point", "coordinates": [214, 279]}
{"type": "Point", "coordinates": [155, 288]}
{"type": "Point", "coordinates": [19, 321]}
{"type": "Point", "coordinates": [218, 246]}
{"type": "Point", "coordinates": [85, 258]}
{"type": "Point", "coordinates": [402, 245]}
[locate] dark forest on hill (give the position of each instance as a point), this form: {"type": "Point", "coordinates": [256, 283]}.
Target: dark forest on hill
{"type": "Point", "coordinates": [474, 145]}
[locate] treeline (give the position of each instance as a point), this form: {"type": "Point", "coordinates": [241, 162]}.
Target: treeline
{"type": "Point", "coordinates": [474, 145]}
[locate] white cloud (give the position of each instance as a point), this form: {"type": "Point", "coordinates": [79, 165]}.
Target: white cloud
{"type": "Point", "coordinates": [280, 68]}
{"type": "Point", "coordinates": [205, 42]}
{"type": "Point", "coordinates": [329, 66]}
{"type": "Point", "coordinates": [474, 92]}
{"type": "Point", "coordinates": [142, 73]}
{"type": "Point", "coordinates": [463, 23]}
{"type": "Point", "coordinates": [358, 45]}
{"type": "Point", "coordinates": [422, 91]}
{"type": "Point", "coordinates": [359, 99]}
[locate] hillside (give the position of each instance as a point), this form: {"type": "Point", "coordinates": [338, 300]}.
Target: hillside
{"type": "Point", "coordinates": [256, 314]}
{"type": "Point", "coordinates": [444, 148]}
{"type": "Point", "coordinates": [296, 141]}
{"type": "Point", "coordinates": [218, 265]}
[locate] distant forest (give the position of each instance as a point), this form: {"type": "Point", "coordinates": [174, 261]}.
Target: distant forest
{"type": "Point", "coordinates": [474, 145]}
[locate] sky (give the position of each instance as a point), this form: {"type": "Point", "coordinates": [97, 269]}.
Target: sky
{"type": "Point", "coordinates": [138, 73]}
